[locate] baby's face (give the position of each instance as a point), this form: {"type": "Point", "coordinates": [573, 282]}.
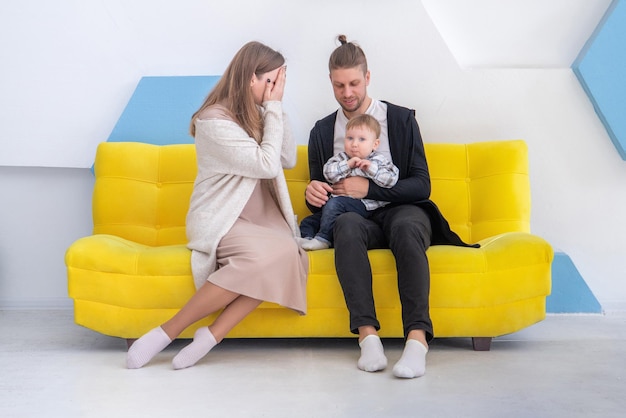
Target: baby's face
{"type": "Point", "coordinates": [360, 142]}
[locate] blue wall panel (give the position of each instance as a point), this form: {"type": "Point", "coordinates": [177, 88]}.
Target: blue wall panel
{"type": "Point", "coordinates": [160, 109]}
{"type": "Point", "coordinates": [570, 293]}
{"type": "Point", "coordinates": [601, 70]}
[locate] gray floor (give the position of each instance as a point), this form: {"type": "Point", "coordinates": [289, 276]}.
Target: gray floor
{"type": "Point", "coordinates": [565, 366]}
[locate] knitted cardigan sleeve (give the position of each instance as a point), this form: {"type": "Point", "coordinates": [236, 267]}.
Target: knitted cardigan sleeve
{"type": "Point", "coordinates": [225, 148]}
{"type": "Point", "coordinates": [229, 166]}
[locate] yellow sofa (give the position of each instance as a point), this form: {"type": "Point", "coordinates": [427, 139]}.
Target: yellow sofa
{"type": "Point", "coordinates": [134, 272]}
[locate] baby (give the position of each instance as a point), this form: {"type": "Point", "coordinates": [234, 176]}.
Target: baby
{"type": "Point", "coordinates": [359, 158]}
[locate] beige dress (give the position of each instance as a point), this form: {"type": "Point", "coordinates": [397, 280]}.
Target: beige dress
{"type": "Point", "coordinates": [258, 257]}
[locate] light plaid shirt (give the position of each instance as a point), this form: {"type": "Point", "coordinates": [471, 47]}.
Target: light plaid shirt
{"type": "Point", "coordinates": [381, 171]}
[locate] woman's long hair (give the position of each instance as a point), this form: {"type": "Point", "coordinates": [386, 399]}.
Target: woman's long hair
{"type": "Point", "coordinates": [233, 89]}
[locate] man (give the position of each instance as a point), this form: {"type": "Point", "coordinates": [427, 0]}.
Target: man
{"type": "Point", "coordinates": [408, 225]}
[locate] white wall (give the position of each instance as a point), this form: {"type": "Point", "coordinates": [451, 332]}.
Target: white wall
{"type": "Point", "coordinates": [43, 211]}
{"type": "Point", "coordinates": [70, 67]}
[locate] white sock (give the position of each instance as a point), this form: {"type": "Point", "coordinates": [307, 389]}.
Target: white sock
{"type": "Point", "coordinates": [314, 244]}
{"type": "Point", "coordinates": [413, 361]}
{"type": "Point", "coordinates": [372, 354]}
{"type": "Point", "coordinates": [301, 241]}
{"type": "Point", "coordinates": [146, 347]}
{"type": "Point", "coordinates": [203, 342]}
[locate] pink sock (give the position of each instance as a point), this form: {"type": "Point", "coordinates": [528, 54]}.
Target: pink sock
{"type": "Point", "coordinates": [146, 347]}
{"type": "Point", "coordinates": [203, 342]}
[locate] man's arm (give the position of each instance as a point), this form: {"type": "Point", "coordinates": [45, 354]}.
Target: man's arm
{"type": "Point", "coordinates": [407, 150]}
{"type": "Point", "coordinates": [317, 191]}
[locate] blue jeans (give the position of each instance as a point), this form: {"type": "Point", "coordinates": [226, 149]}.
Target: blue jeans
{"type": "Point", "coordinates": [310, 225]}
{"type": "Point", "coordinates": [324, 225]}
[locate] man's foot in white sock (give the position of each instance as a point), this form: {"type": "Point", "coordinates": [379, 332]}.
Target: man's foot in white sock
{"type": "Point", "coordinates": [413, 361]}
{"type": "Point", "coordinates": [203, 342]}
{"type": "Point", "coordinates": [146, 347]}
{"type": "Point", "coordinates": [372, 354]}
{"type": "Point", "coordinates": [314, 244]}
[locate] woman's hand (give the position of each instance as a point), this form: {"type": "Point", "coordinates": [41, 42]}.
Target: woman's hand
{"type": "Point", "coordinates": [316, 193]}
{"type": "Point", "coordinates": [274, 89]}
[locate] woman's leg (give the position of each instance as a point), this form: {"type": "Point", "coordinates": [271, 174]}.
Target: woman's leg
{"type": "Point", "coordinates": [207, 338]}
{"type": "Point", "coordinates": [232, 315]}
{"type": "Point", "coordinates": [207, 300]}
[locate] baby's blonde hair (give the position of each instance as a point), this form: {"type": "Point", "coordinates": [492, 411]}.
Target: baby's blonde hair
{"type": "Point", "coordinates": [366, 121]}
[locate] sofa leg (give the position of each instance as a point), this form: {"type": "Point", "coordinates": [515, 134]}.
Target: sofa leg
{"type": "Point", "coordinates": [481, 343]}
{"type": "Point", "coordinates": [130, 341]}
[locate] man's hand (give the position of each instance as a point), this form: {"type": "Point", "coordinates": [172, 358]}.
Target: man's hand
{"type": "Point", "coordinates": [317, 193]}
{"type": "Point", "coordinates": [356, 187]}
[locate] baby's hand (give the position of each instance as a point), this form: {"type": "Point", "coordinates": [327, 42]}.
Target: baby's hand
{"type": "Point", "coordinates": [354, 162]}
{"type": "Point", "coordinates": [364, 164]}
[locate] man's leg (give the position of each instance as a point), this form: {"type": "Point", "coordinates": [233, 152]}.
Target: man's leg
{"type": "Point", "coordinates": [409, 233]}
{"type": "Point", "coordinates": [408, 230]}
{"type": "Point", "coordinates": [353, 236]}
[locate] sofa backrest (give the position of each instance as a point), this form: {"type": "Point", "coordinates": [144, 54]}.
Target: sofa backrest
{"type": "Point", "coordinates": [142, 191]}
{"type": "Point", "coordinates": [482, 188]}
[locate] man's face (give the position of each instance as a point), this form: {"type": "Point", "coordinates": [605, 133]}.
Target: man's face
{"type": "Point", "coordinates": [350, 89]}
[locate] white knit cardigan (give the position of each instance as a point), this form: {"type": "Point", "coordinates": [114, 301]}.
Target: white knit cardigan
{"type": "Point", "coordinates": [230, 163]}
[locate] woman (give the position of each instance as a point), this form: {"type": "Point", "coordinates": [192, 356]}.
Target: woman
{"type": "Point", "coordinates": [240, 225]}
